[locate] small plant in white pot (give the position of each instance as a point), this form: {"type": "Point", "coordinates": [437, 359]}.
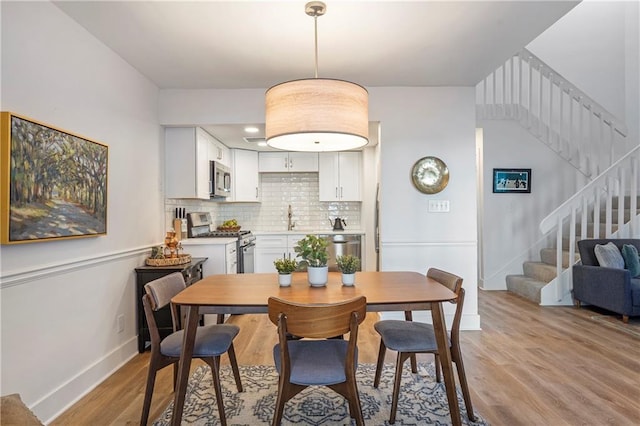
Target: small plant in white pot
{"type": "Point", "coordinates": [285, 267]}
{"type": "Point", "coordinates": [313, 252]}
{"type": "Point", "coordinates": [348, 265]}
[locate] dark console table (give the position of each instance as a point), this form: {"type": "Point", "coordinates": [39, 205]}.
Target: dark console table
{"type": "Point", "coordinates": [192, 272]}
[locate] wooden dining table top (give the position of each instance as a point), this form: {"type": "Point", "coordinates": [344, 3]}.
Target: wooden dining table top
{"type": "Point", "coordinates": [386, 290]}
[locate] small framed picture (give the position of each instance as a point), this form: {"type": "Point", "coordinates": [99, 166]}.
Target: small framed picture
{"type": "Point", "coordinates": [512, 181]}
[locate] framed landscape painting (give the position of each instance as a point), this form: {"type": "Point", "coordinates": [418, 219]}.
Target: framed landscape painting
{"type": "Point", "coordinates": [512, 181]}
{"type": "Point", "coordinates": [53, 183]}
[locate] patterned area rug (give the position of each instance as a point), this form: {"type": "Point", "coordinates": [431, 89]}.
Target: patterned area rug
{"type": "Point", "coordinates": [422, 400]}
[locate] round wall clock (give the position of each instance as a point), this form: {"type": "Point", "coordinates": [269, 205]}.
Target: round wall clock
{"type": "Point", "coordinates": [430, 175]}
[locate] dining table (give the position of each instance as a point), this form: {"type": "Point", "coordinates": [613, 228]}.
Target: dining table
{"type": "Point", "coordinates": [249, 294]}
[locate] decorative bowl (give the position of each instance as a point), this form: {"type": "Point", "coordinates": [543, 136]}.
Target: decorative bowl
{"type": "Point", "coordinates": [229, 228]}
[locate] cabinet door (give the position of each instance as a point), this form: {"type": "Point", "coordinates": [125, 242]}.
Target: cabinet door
{"type": "Point", "coordinates": [245, 180]}
{"type": "Point", "coordinates": [328, 177]}
{"type": "Point", "coordinates": [273, 162]}
{"type": "Point", "coordinates": [303, 161]}
{"type": "Point", "coordinates": [350, 172]}
{"type": "Point", "coordinates": [186, 164]}
{"type": "Point", "coordinates": [339, 176]}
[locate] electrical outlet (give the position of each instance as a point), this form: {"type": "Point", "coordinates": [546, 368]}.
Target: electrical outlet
{"type": "Point", "coordinates": [438, 206]}
{"type": "Point", "coordinates": [120, 323]}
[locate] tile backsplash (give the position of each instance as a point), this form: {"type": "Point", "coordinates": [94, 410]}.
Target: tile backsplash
{"type": "Point", "coordinates": [278, 191]}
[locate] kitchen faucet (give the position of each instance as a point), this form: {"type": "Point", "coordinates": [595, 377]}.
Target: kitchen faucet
{"type": "Point", "coordinates": [290, 225]}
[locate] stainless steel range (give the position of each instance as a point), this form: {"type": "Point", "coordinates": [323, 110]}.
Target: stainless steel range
{"type": "Point", "coordinates": [200, 225]}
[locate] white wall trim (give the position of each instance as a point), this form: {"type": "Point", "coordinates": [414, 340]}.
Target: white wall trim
{"type": "Point", "coordinates": [429, 243]}
{"type": "Point", "coordinates": [85, 381]}
{"type": "Point", "coordinates": [14, 278]}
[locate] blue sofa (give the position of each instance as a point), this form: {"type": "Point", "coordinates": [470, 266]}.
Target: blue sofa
{"type": "Point", "coordinates": [608, 288]}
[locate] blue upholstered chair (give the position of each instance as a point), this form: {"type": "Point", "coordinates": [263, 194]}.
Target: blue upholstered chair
{"type": "Point", "coordinates": [211, 341]}
{"type": "Point", "coordinates": [323, 361]}
{"type": "Point", "coordinates": [409, 338]}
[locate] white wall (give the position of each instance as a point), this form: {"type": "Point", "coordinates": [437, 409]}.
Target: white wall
{"type": "Point", "coordinates": [510, 221]}
{"type": "Point", "coordinates": [595, 46]}
{"type": "Point", "coordinates": [60, 300]}
{"type": "Point", "coordinates": [415, 122]}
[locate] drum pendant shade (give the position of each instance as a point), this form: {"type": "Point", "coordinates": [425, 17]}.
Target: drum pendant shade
{"type": "Point", "coordinates": [317, 115]}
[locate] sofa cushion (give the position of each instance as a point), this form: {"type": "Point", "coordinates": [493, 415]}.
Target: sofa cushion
{"type": "Point", "coordinates": [635, 292]}
{"type": "Point", "coordinates": [609, 256]}
{"type": "Point", "coordinates": [631, 260]}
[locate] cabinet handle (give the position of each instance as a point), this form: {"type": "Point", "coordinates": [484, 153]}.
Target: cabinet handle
{"type": "Point", "coordinates": [256, 192]}
{"type": "Point", "coordinates": [336, 192]}
{"type": "Point", "coordinates": [341, 193]}
{"type": "Point", "coordinates": [286, 163]}
{"type": "Point", "coordinates": [291, 163]}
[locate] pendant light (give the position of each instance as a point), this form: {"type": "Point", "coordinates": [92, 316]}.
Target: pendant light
{"type": "Point", "coordinates": [317, 114]}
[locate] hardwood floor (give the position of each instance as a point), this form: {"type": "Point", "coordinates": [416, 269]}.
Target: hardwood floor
{"type": "Point", "coordinates": [529, 365]}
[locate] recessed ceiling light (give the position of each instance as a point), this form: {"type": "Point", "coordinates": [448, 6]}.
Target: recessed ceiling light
{"type": "Point", "coordinates": [251, 129]}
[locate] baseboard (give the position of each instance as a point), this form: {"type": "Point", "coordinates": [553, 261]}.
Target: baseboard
{"type": "Point", "coordinates": [61, 399]}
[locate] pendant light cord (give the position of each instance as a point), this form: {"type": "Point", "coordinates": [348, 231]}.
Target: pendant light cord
{"type": "Point", "coordinates": [315, 22]}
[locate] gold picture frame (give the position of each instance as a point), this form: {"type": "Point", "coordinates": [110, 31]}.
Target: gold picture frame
{"type": "Point", "coordinates": [53, 183]}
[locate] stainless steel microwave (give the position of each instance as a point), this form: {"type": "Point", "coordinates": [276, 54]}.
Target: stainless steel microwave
{"type": "Point", "coordinates": [220, 180]}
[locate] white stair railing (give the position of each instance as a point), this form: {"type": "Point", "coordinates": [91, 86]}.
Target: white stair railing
{"type": "Point", "coordinates": [616, 188]}
{"type": "Point", "coordinates": [555, 111]}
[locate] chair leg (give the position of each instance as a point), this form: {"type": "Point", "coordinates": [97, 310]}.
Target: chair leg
{"type": "Point", "coordinates": [234, 367]}
{"type": "Point", "coordinates": [401, 358]}
{"type": "Point", "coordinates": [148, 393]}
{"type": "Point", "coordinates": [355, 409]}
{"type": "Point", "coordinates": [436, 361]}
{"type": "Point", "coordinates": [625, 319]}
{"type": "Point", "coordinates": [280, 401]}
{"type": "Point", "coordinates": [414, 364]}
{"type": "Point", "coordinates": [214, 363]}
{"type": "Point", "coordinates": [380, 363]}
{"type": "Point", "coordinates": [456, 356]}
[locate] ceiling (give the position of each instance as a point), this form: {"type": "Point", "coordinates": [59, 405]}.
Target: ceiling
{"type": "Point", "coordinates": [257, 44]}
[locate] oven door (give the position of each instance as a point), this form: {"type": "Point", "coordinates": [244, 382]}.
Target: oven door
{"type": "Point", "coordinates": [246, 258]}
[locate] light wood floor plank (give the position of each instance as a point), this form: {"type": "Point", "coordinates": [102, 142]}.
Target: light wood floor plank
{"type": "Point", "coordinates": [529, 365]}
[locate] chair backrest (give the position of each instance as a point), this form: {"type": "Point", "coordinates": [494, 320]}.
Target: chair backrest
{"type": "Point", "coordinates": [161, 290]}
{"type": "Point", "coordinates": [447, 279]}
{"type": "Point", "coordinates": [317, 320]}
{"type": "Point", "coordinates": [457, 317]}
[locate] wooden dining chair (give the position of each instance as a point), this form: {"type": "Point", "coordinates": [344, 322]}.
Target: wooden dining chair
{"type": "Point", "coordinates": [210, 343]}
{"type": "Point", "coordinates": [322, 361]}
{"type": "Point", "coordinates": [409, 338]}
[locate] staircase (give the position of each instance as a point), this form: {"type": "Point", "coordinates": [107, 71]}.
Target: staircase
{"type": "Point", "coordinates": [587, 137]}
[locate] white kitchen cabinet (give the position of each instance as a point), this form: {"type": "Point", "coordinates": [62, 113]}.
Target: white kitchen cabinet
{"type": "Point", "coordinates": [186, 163]}
{"type": "Point", "coordinates": [288, 162]}
{"type": "Point", "coordinates": [340, 176]}
{"type": "Point", "coordinates": [217, 150]}
{"type": "Point", "coordinates": [272, 247]}
{"type": "Point", "coordinates": [245, 178]}
{"type": "Point", "coordinates": [222, 255]}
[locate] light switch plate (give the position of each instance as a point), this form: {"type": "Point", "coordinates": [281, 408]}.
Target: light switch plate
{"type": "Point", "coordinates": [438, 206]}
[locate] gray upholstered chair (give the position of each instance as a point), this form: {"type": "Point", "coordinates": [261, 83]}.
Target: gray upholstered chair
{"type": "Point", "coordinates": [322, 361]}
{"type": "Point", "coordinates": [409, 338]}
{"type": "Point", "coordinates": [211, 341]}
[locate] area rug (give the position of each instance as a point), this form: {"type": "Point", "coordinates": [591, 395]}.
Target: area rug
{"type": "Point", "coordinates": [611, 321]}
{"type": "Point", "coordinates": [422, 401]}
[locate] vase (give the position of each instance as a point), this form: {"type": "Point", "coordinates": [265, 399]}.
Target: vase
{"type": "Point", "coordinates": [318, 275]}
{"type": "Point", "coordinates": [284, 280]}
{"type": "Point", "coordinates": [348, 279]}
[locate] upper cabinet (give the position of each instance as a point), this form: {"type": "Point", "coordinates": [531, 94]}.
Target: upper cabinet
{"type": "Point", "coordinates": [217, 150]}
{"type": "Point", "coordinates": [245, 180]}
{"type": "Point", "coordinates": [340, 176]}
{"type": "Point", "coordinates": [288, 162]}
{"type": "Point", "coordinates": [186, 163]}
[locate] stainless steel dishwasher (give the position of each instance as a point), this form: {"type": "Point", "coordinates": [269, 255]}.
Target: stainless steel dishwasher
{"type": "Point", "coordinates": [343, 244]}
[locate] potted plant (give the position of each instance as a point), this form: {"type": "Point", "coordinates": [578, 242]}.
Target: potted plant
{"type": "Point", "coordinates": [348, 265]}
{"type": "Point", "coordinates": [313, 252]}
{"type": "Point", "coordinates": [285, 267]}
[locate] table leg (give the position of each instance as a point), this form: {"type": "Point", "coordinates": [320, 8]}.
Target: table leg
{"type": "Point", "coordinates": [440, 330]}
{"type": "Point", "coordinates": [185, 363]}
